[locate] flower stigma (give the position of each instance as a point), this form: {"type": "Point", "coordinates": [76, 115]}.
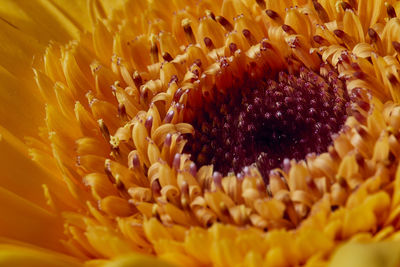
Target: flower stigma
{"type": "Point", "coordinates": [263, 122]}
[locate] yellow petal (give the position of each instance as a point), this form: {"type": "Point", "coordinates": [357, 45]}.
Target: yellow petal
{"type": "Point", "coordinates": [40, 19]}
{"type": "Point", "coordinates": [16, 49]}
{"type": "Point", "coordinates": [76, 11]}
{"type": "Point", "coordinates": [26, 257]}
{"type": "Point", "coordinates": [135, 260]}
{"type": "Point", "coordinates": [21, 175]}
{"type": "Point", "coordinates": [20, 111]}
{"type": "Point", "coordinates": [367, 255]}
{"type": "Point", "coordinates": [15, 256]}
{"type": "Point", "coordinates": [26, 222]}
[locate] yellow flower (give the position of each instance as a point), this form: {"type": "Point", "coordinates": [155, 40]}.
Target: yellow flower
{"type": "Point", "coordinates": [199, 133]}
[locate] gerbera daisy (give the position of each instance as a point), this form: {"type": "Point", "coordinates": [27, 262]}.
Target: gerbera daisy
{"type": "Point", "coordinates": [200, 133]}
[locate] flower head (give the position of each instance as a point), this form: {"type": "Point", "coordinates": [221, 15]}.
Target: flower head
{"type": "Point", "coordinates": [224, 133]}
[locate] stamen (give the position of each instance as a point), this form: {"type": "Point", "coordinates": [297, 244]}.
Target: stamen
{"type": "Point", "coordinates": [233, 47]}
{"type": "Point", "coordinates": [273, 15]}
{"type": "Point", "coordinates": [249, 36]}
{"type": "Point", "coordinates": [156, 188]}
{"type": "Point", "coordinates": [135, 161]}
{"type": "Point", "coordinates": [176, 161]}
{"type": "Point", "coordinates": [225, 23]}
{"type": "Point", "coordinates": [390, 10]}
{"type": "Point", "coordinates": [289, 30]}
{"type": "Point", "coordinates": [345, 38]}
{"type": "Point", "coordinates": [209, 43]}
{"type": "Point", "coordinates": [137, 79]}
{"type": "Point", "coordinates": [320, 40]}
{"type": "Point", "coordinates": [153, 49]}
{"type": "Point", "coordinates": [396, 46]}
{"type": "Point", "coordinates": [167, 57]}
{"type": "Point", "coordinates": [107, 170]}
{"type": "Point", "coordinates": [210, 14]}
{"type": "Point", "coordinates": [261, 3]}
{"type": "Point", "coordinates": [346, 6]}
{"type": "Point", "coordinates": [148, 124]}
{"type": "Point", "coordinates": [104, 130]}
{"type": "Point", "coordinates": [321, 11]}
{"type": "Point", "coordinates": [170, 115]}
{"type": "Point", "coordinates": [168, 140]}
{"type": "Point", "coordinates": [188, 31]}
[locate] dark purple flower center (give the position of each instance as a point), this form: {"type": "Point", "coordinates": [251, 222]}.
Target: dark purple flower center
{"type": "Point", "coordinates": [265, 122]}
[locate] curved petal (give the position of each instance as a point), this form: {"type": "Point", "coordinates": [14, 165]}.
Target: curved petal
{"type": "Point", "coordinates": [135, 260]}
{"type": "Point", "coordinates": [367, 255]}
{"type": "Point", "coordinates": [11, 255]}
{"type": "Point", "coordinates": [22, 176]}
{"type": "Point", "coordinates": [24, 221]}
{"type": "Point", "coordinates": [21, 110]}
{"type": "Point", "coordinates": [40, 19]}
{"type": "Point", "coordinates": [17, 49]}
{"type": "Point", "coordinates": [26, 27]}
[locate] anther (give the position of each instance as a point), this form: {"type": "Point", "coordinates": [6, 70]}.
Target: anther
{"type": "Point", "coordinates": [104, 130]}
{"type": "Point", "coordinates": [289, 30]}
{"type": "Point", "coordinates": [193, 169]}
{"type": "Point", "coordinates": [320, 40]}
{"type": "Point", "coordinates": [176, 163]}
{"type": "Point", "coordinates": [188, 31]}
{"type": "Point", "coordinates": [156, 188]}
{"type": "Point", "coordinates": [170, 115]}
{"type": "Point", "coordinates": [137, 79]}
{"type": "Point", "coordinates": [344, 56]}
{"type": "Point", "coordinates": [364, 105]}
{"type": "Point", "coordinates": [153, 49]}
{"type": "Point", "coordinates": [122, 112]}
{"type": "Point", "coordinates": [265, 45]}
{"type": "Point", "coordinates": [167, 57]}
{"type": "Point", "coordinates": [321, 11]}
{"type": "Point", "coordinates": [339, 33]}
{"type": "Point", "coordinates": [168, 140]}
{"type": "Point", "coordinates": [373, 35]}
{"type": "Point", "coordinates": [148, 124]}
{"type": "Point", "coordinates": [344, 36]}
{"type": "Point", "coordinates": [209, 43]}
{"type": "Point", "coordinates": [225, 23]}
{"type": "Point", "coordinates": [342, 181]}
{"type": "Point", "coordinates": [359, 117]}
{"type": "Point", "coordinates": [396, 46]}
{"type": "Point", "coordinates": [346, 6]}
{"type": "Point", "coordinates": [210, 14]}
{"type": "Point", "coordinates": [359, 75]}
{"type": "Point", "coordinates": [233, 47]}
{"type": "Point", "coordinates": [392, 79]}
{"type": "Point", "coordinates": [261, 3]}
{"type": "Point", "coordinates": [274, 15]}
{"type": "Point", "coordinates": [135, 161]}
{"type": "Point", "coordinates": [390, 10]}
{"type": "Point", "coordinates": [107, 170]}
{"type": "Point", "coordinates": [178, 94]}
{"type": "Point", "coordinates": [217, 178]}
{"type": "Point", "coordinates": [249, 36]}
{"type": "Point", "coordinates": [286, 165]}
